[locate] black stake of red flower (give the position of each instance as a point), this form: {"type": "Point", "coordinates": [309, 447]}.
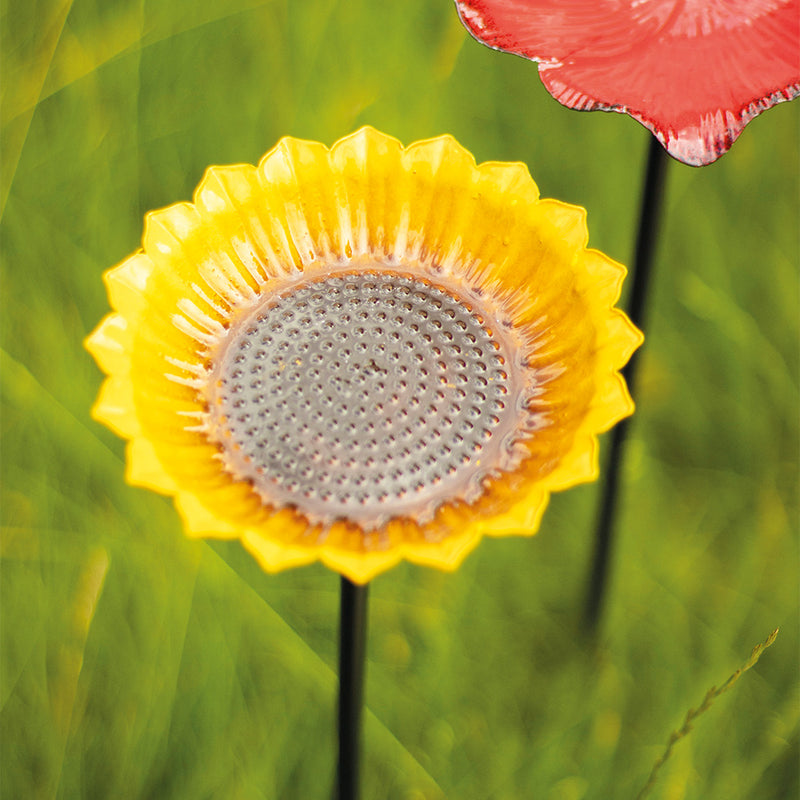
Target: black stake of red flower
{"type": "Point", "coordinates": [352, 658]}
{"type": "Point", "coordinates": [646, 240]}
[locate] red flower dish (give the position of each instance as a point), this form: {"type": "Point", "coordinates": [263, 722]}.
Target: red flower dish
{"type": "Point", "coordinates": [694, 72]}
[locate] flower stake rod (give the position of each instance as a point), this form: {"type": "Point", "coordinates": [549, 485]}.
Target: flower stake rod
{"type": "Point", "coordinates": [352, 659]}
{"type": "Point", "coordinates": [649, 222]}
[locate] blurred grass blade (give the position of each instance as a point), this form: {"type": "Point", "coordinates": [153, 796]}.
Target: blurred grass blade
{"type": "Point", "coordinates": [693, 713]}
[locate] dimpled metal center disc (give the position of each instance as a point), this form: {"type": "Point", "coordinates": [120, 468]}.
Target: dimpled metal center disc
{"type": "Point", "coordinates": [363, 397]}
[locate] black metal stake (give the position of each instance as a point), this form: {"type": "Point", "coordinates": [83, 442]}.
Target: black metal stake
{"type": "Point", "coordinates": [352, 658]}
{"type": "Point", "coordinates": [647, 236]}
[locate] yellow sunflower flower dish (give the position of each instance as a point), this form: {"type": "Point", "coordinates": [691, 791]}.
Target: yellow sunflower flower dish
{"type": "Point", "coordinates": [363, 354]}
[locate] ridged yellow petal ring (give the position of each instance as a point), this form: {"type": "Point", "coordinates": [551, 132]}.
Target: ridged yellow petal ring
{"type": "Point", "coordinates": [363, 354]}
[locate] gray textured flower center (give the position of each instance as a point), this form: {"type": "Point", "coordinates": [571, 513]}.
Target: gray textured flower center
{"type": "Point", "coordinates": [365, 396]}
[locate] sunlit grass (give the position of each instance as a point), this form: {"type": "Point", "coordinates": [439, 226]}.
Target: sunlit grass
{"type": "Point", "coordinates": [136, 663]}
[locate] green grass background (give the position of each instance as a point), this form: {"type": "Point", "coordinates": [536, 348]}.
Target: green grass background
{"type": "Point", "coordinates": [139, 664]}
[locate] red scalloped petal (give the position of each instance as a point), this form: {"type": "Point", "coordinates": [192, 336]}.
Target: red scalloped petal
{"type": "Point", "coordinates": [694, 72]}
